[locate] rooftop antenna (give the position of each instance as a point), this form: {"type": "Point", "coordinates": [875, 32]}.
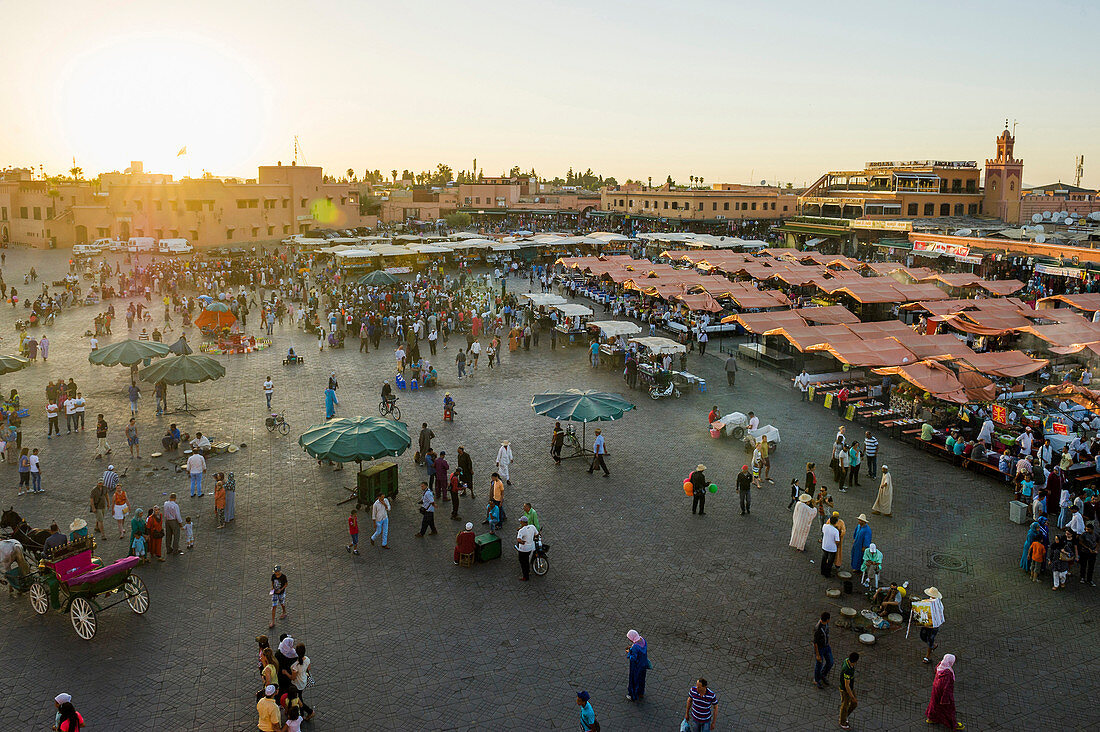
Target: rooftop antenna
{"type": "Point", "coordinates": [298, 153]}
{"type": "Point", "coordinates": [1080, 170]}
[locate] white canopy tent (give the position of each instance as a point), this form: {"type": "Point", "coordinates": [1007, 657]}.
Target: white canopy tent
{"type": "Point", "coordinates": [659, 345]}
{"type": "Point", "coordinates": [615, 328]}
{"type": "Point", "coordinates": [544, 298]}
{"type": "Point", "coordinates": [504, 247]}
{"type": "Point", "coordinates": [572, 310]}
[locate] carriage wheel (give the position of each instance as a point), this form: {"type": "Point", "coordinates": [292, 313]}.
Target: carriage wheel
{"type": "Point", "coordinates": [540, 565]}
{"type": "Point", "coordinates": [82, 614]}
{"type": "Point", "coordinates": [40, 598]}
{"type": "Point", "coordinates": [284, 429]}
{"type": "Point", "coordinates": [137, 594]}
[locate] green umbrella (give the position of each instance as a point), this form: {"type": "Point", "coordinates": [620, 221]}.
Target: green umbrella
{"type": "Point", "coordinates": [12, 363]}
{"type": "Point", "coordinates": [128, 353]}
{"type": "Point", "coordinates": [185, 369]}
{"type": "Point", "coordinates": [345, 439]}
{"type": "Point", "coordinates": [378, 278]}
{"type": "Point", "coordinates": [217, 307]}
{"type": "Point", "coordinates": [180, 347]}
{"type": "Point", "coordinates": [575, 405]}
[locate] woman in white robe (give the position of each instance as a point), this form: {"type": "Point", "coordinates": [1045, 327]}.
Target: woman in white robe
{"type": "Point", "coordinates": [803, 518]}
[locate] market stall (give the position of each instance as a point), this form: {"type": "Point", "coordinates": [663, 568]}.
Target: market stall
{"type": "Point", "coordinates": [612, 336]}
{"type": "Point", "coordinates": [572, 319]}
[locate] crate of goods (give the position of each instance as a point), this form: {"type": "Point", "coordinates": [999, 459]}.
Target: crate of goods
{"type": "Point", "coordinates": [380, 478]}
{"type": "Point", "coordinates": [486, 547]}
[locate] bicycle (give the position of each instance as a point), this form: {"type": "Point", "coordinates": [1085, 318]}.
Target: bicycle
{"type": "Point", "coordinates": [278, 422]}
{"type": "Point", "coordinates": [389, 408]}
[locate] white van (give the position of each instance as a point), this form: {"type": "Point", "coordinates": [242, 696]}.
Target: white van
{"type": "Point", "coordinates": [108, 245]}
{"type": "Point", "coordinates": [86, 250]}
{"type": "Point", "coordinates": [175, 246]}
{"type": "Point", "coordinates": [141, 244]}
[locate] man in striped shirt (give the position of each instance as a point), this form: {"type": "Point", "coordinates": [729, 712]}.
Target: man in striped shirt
{"type": "Point", "coordinates": [870, 451]}
{"type": "Point", "coordinates": [701, 712]}
{"type": "Point", "coordinates": [110, 478]}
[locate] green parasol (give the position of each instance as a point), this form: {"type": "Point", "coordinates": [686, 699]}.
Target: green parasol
{"type": "Point", "coordinates": [217, 307]}
{"type": "Point", "coordinates": [12, 363]}
{"type": "Point", "coordinates": [185, 369]}
{"type": "Point", "coordinates": [128, 353]}
{"type": "Point", "coordinates": [180, 347]}
{"type": "Point", "coordinates": [378, 278]}
{"type": "Point", "coordinates": [345, 439]}
{"type": "Point", "coordinates": [575, 405]}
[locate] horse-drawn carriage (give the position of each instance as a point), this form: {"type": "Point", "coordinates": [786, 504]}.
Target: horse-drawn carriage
{"type": "Point", "coordinates": [70, 580]}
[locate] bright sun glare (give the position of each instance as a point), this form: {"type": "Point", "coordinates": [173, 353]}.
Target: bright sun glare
{"type": "Point", "coordinates": [145, 97]}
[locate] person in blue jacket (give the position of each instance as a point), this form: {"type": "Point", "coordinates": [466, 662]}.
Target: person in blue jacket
{"type": "Point", "coordinates": [639, 664]}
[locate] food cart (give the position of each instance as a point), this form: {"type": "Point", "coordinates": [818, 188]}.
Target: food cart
{"type": "Point", "coordinates": [612, 335]}
{"type": "Point", "coordinates": [572, 324]}
{"type": "Point", "coordinates": [651, 351]}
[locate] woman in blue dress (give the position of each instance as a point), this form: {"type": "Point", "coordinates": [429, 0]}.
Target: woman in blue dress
{"type": "Point", "coordinates": [639, 664]}
{"type": "Point", "coordinates": [1037, 531]}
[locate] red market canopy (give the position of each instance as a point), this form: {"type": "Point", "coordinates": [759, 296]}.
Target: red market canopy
{"type": "Point", "coordinates": [874, 352]}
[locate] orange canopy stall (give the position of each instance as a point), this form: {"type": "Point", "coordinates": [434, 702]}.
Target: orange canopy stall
{"type": "Point", "coordinates": [1009, 364]}
{"type": "Point", "coordinates": [216, 319]}
{"type": "Point", "coordinates": [941, 383]}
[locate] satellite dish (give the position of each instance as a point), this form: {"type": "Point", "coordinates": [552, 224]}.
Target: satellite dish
{"type": "Point", "coordinates": [1040, 228]}
{"type": "Point", "coordinates": [1094, 216]}
{"type": "Point", "coordinates": [763, 182]}
{"type": "Point", "coordinates": [1070, 222]}
{"type": "Point", "coordinates": [963, 232]}
{"type": "Point", "coordinates": [1046, 215]}
{"type": "Point", "coordinates": [1036, 218]}
{"type": "Point", "coordinates": [1063, 214]}
{"type": "Point", "coordinates": [1040, 238]}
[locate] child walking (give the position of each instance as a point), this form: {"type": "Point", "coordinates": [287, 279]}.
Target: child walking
{"type": "Point", "coordinates": [189, 532]}
{"type": "Point", "coordinates": [138, 546]}
{"type": "Point", "coordinates": [1036, 553]}
{"type": "Point", "coordinates": [353, 529]}
{"type": "Point", "coordinates": [219, 499]}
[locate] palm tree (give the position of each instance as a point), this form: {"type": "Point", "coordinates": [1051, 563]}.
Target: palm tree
{"type": "Point", "coordinates": [351, 175]}
{"type": "Point", "coordinates": [394, 171]}
{"type": "Point", "coordinates": [76, 171]}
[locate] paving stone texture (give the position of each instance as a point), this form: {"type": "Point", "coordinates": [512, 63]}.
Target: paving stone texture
{"type": "Point", "coordinates": [404, 640]}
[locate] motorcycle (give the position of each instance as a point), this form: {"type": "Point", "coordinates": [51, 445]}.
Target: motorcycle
{"type": "Point", "coordinates": [655, 392]}
{"type": "Point", "coordinates": [540, 565]}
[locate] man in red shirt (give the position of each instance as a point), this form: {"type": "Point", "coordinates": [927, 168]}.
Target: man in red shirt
{"type": "Point", "coordinates": [353, 529]}
{"type": "Point", "coordinates": [464, 542]}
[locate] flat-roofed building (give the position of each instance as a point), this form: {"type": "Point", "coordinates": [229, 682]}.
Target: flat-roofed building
{"type": "Point", "coordinates": [722, 201]}
{"type": "Point", "coordinates": [210, 211]}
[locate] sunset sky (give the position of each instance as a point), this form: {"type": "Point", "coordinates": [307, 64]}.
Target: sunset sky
{"type": "Point", "coordinates": [730, 91]}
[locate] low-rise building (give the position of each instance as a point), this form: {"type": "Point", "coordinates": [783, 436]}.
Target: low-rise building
{"type": "Point", "coordinates": [722, 201]}
{"type": "Point", "coordinates": [209, 211]}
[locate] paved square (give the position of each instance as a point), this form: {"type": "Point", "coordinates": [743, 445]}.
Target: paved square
{"type": "Point", "coordinates": [404, 640]}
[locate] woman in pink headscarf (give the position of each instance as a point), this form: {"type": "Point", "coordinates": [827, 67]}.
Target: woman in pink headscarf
{"type": "Point", "coordinates": [639, 664]}
{"type": "Point", "coordinates": [941, 708]}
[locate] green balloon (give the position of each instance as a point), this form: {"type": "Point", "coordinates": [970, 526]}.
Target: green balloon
{"type": "Point", "coordinates": [712, 488]}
